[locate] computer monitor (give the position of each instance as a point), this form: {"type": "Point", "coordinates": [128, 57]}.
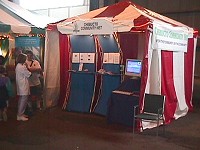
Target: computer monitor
{"type": "Point", "coordinates": [133, 67]}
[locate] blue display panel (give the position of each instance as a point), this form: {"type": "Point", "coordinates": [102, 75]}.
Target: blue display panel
{"type": "Point", "coordinates": [82, 82]}
{"type": "Point", "coordinates": [109, 81]}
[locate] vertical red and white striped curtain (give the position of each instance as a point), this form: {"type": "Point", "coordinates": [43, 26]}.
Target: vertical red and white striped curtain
{"type": "Point", "coordinates": [169, 73]}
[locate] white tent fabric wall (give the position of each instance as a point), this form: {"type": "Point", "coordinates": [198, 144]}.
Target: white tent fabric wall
{"type": "Point", "coordinates": [155, 72]}
{"type": "Point", "coordinates": [178, 63]}
{"type": "Point", "coordinates": [51, 76]}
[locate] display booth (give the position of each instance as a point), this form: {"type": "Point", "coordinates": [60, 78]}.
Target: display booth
{"type": "Point", "coordinates": [20, 28]}
{"type": "Point", "coordinates": [86, 55]}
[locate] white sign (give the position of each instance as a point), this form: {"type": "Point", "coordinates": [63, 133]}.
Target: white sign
{"type": "Point", "coordinates": [87, 27]}
{"type": "Point", "coordinates": [87, 57]}
{"type": "Point", "coordinates": [94, 26]}
{"type": "Point", "coordinates": [111, 58]}
{"type": "Point", "coordinates": [75, 58]}
{"type": "Point", "coordinates": [105, 58]}
{"type": "Point", "coordinates": [169, 38]}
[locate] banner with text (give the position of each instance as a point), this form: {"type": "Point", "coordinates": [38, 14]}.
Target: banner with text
{"type": "Point", "coordinates": [87, 27]}
{"type": "Point", "coordinates": [169, 38]}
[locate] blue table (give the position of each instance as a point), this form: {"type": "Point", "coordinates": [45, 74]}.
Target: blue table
{"type": "Point", "coordinates": [121, 108]}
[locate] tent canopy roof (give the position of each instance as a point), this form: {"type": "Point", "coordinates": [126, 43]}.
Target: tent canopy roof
{"type": "Point", "coordinates": [124, 16]}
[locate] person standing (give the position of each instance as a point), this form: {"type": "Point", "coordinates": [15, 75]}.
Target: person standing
{"type": "Point", "coordinates": [22, 84]}
{"type": "Point", "coordinates": [34, 80]}
{"type": "Point", "coordinates": [2, 66]}
{"type": "Point", "coordinates": [6, 91]}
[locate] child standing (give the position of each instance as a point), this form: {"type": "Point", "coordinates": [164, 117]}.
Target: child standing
{"type": "Point", "coordinates": [23, 89]}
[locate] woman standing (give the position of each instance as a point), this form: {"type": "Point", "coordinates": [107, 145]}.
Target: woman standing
{"type": "Point", "coordinates": [23, 89]}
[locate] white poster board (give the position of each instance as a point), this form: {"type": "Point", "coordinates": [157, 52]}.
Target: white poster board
{"type": "Point", "coordinates": [87, 57]}
{"type": "Point", "coordinates": [111, 58]}
{"type": "Point", "coordinates": [75, 58]}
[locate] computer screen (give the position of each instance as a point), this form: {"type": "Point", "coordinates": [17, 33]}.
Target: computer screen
{"type": "Point", "coordinates": [133, 67]}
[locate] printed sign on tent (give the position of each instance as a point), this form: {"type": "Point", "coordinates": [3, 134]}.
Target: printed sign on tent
{"type": "Point", "coordinates": [87, 27]}
{"type": "Point", "coordinates": [87, 57]}
{"type": "Point", "coordinates": [75, 58]}
{"type": "Point", "coordinates": [116, 58]}
{"type": "Point", "coordinates": [168, 38]}
{"type": "Point", "coordinates": [90, 57]}
{"type": "Point", "coordinates": [105, 58]}
{"type": "Point", "coordinates": [111, 58]}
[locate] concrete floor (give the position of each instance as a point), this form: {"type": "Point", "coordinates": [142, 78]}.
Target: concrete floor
{"type": "Point", "coordinates": [55, 129]}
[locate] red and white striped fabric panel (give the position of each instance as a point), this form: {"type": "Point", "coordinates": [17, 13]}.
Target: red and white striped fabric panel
{"type": "Point", "coordinates": [167, 84]}
{"type": "Point", "coordinates": [171, 74]}
{"type": "Point", "coordinates": [189, 71]}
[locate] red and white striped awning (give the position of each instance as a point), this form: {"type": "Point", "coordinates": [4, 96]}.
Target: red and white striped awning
{"type": "Point", "coordinates": [121, 17]}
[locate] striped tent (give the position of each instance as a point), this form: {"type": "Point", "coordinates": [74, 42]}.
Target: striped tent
{"type": "Point", "coordinates": [15, 19]}
{"type": "Point", "coordinates": [168, 53]}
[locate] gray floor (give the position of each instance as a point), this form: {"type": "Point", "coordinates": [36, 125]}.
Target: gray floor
{"type": "Point", "coordinates": [55, 129]}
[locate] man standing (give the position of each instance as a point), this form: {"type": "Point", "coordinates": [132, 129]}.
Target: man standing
{"type": "Point", "coordinates": [34, 79]}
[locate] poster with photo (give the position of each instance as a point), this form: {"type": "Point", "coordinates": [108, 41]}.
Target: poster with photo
{"type": "Point", "coordinates": [29, 43]}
